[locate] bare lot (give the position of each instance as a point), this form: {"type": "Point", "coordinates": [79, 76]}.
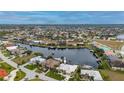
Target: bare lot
{"type": "Point", "coordinates": [24, 59]}
{"type": "Point", "coordinates": [112, 75]}
{"type": "Point", "coordinates": [112, 44]}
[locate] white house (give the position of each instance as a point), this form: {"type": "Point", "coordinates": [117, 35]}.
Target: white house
{"type": "Point", "coordinates": [68, 69]}
{"type": "Point", "coordinates": [5, 42]}
{"type": "Point", "coordinates": [38, 41]}
{"type": "Point", "coordinates": [122, 51]}
{"type": "Point", "coordinates": [94, 73]}
{"type": "Point", "coordinates": [38, 59]}
{"type": "Point", "coordinates": [11, 48]}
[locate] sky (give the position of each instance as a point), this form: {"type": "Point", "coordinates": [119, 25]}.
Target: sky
{"type": "Point", "coordinates": [61, 17]}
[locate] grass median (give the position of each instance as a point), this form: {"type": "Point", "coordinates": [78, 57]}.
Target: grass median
{"type": "Point", "coordinates": [19, 75]}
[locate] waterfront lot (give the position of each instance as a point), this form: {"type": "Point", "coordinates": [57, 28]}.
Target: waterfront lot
{"type": "Point", "coordinates": [111, 75]}
{"type": "Point", "coordinates": [73, 56]}
{"type": "Point", "coordinates": [6, 53]}
{"type": "Point", "coordinates": [112, 44]}
{"type": "Point", "coordinates": [24, 59]}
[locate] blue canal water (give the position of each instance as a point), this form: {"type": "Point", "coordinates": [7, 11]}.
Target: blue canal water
{"type": "Point", "coordinates": [73, 56]}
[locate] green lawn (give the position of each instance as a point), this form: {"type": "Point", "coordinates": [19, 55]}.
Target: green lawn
{"type": "Point", "coordinates": [38, 70]}
{"type": "Point", "coordinates": [31, 66]}
{"type": "Point", "coordinates": [104, 74]}
{"type": "Point", "coordinates": [6, 66]}
{"type": "Point", "coordinates": [55, 75]}
{"type": "Point", "coordinates": [1, 79]}
{"type": "Point", "coordinates": [19, 75]}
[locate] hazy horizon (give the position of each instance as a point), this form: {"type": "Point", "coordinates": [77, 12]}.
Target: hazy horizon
{"type": "Point", "coordinates": [62, 17]}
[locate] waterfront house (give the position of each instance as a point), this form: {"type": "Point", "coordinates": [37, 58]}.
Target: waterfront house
{"type": "Point", "coordinates": [38, 59]}
{"type": "Point", "coordinates": [10, 48]}
{"type": "Point", "coordinates": [19, 51]}
{"type": "Point", "coordinates": [71, 43]}
{"type": "Point", "coordinates": [68, 69]}
{"type": "Point", "coordinates": [38, 42]}
{"type": "Point", "coordinates": [51, 63]}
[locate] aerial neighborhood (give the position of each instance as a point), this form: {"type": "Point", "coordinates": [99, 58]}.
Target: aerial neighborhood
{"type": "Point", "coordinates": [60, 52]}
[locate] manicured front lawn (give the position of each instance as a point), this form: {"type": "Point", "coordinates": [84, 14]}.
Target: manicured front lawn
{"type": "Point", "coordinates": [55, 75]}
{"type": "Point", "coordinates": [1, 79]}
{"type": "Point", "coordinates": [19, 75]}
{"type": "Point", "coordinates": [31, 66]}
{"type": "Point", "coordinates": [112, 75]}
{"type": "Point", "coordinates": [6, 66]}
{"type": "Point", "coordinates": [24, 59]}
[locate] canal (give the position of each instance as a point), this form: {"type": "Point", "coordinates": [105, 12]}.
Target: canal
{"type": "Point", "coordinates": [73, 56]}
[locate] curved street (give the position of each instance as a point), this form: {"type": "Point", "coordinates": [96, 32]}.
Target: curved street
{"type": "Point", "coordinates": [29, 73]}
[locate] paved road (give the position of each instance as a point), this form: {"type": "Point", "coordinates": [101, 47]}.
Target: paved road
{"type": "Point", "coordinates": [29, 73]}
{"type": "Point", "coordinates": [8, 61]}
{"type": "Point", "coordinates": [11, 76]}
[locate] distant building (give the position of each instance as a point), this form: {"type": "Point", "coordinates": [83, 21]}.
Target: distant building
{"type": "Point", "coordinates": [5, 42]}
{"type": "Point", "coordinates": [11, 48]}
{"type": "Point", "coordinates": [120, 37]}
{"type": "Point", "coordinates": [117, 65]}
{"type": "Point", "coordinates": [38, 42]}
{"type": "Point", "coordinates": [122, 51]}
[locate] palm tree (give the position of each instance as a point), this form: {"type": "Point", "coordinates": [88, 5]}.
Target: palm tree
{"type": "Point", "coordinates": [18, 65]}
{"type": "Point", "coordinates": [36, 76]}
{"type": "Point", "coordinates": [37, 62]}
